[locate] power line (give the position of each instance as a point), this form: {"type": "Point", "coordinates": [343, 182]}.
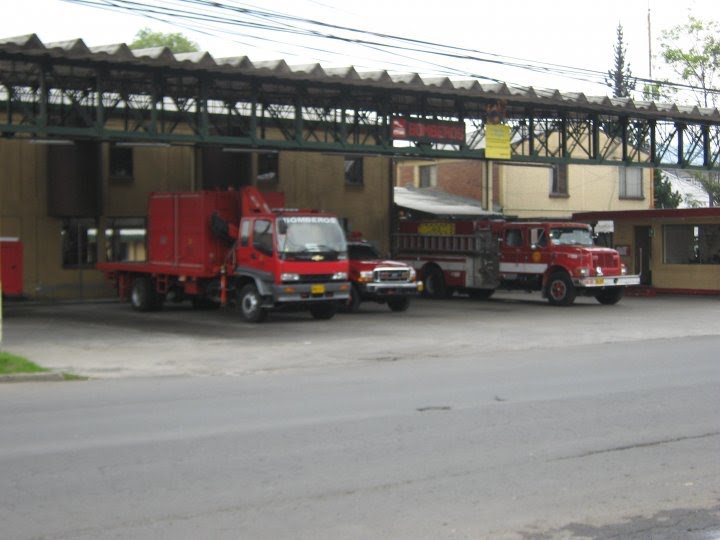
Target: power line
{"type": "Point", "coordinates": [226, 18]}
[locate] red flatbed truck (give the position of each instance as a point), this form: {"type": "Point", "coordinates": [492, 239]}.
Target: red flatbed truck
{"type": "Point", "coordinates": [220, 247]}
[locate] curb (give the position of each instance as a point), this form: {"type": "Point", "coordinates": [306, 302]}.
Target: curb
{"type": "Point", "coordinates": [32, 377]}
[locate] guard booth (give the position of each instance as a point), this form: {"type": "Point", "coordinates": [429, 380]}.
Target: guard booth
{"type": "Point", "coordinates": [11, 266]}
{"type": "Point", "coordinates": [673, 250]}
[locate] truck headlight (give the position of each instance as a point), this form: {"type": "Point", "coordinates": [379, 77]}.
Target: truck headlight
{"type": "Point", "coordinates": [582, 272]}
{"type": "Point", "coordinates": [412, 274]}
{"type": "Point", "coordinates": [339, 276]}
{"type": "Point", "coordinates": [285, 277]}
{"type": "Point", "coordinates": [365, 276]}
{"type": "Point", "coordinates": [623, 269]}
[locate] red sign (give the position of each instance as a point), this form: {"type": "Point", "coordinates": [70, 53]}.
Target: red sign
{"type": "Point", "coordinates": [434, 131]}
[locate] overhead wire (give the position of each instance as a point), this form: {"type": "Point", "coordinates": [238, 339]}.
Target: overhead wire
{"type": "Point", "coordinates": [217, 19]}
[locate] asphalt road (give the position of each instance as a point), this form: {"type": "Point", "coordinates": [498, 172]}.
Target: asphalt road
{"type": "Point", "coordinates": [506, 419]}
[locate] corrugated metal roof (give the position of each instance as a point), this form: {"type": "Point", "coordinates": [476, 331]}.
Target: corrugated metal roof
{"type": "Point", "coordinates": [30, 46]}
{"type": "Point", "coordinates": [438, 203]}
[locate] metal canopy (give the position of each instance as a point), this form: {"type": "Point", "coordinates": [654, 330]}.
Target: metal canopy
{"type": "Point", "coordinates": [111, 93]}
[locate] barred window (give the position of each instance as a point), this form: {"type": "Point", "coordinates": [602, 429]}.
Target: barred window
{"type": "Point", "coordinates": [691, 244]}
{"type": "Point", "coordinates": [630, 183]}
{"type": "Point", "coordinates": [79, 243]}
{"type": "Point", "coordinates": [125, 239]}
{"type": "Point", "coordinates": [559, 180]}
{"type": "Point", "coordinates": [428, 175]}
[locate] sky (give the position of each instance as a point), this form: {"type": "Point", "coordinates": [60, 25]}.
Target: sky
{"type": "Point", "coordinates": [572, 33]}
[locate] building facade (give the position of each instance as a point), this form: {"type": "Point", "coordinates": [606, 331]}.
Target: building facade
{"type": "Point", "coordinates": [673, 250]}
{"type": "Point", "coordinates": [73, 205]}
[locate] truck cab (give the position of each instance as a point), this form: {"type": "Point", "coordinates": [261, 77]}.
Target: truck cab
{"type": "Point", "coordinates": [291, 258]}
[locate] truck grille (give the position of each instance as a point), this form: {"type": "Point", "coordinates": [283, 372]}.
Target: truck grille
{"type": "Point", "coordinates": [606, 260]}
{"type": "Point", "coordinates": [391, 274]}
{"type": "Point", "coordinates": [315, 278]}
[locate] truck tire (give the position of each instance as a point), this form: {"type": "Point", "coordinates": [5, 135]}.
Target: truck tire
{"type": "Point", "coordinates": [560, 289]}
{"type": "Point", "coordinates": [610, 297]}
{"type": "Point", "coordinates": [249, 302]}
{"type": "Point", "coordinates": [323, 311]}
{"type": "Point", "coordinates": [434, 283]}
{"type": "Point", "coordinates": [399, 303]}
{"type": "Point", "coordinates": [142, 294]}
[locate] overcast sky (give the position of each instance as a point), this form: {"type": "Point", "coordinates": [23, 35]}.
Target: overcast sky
{"type": "Point", "coordinates": [565, 32]}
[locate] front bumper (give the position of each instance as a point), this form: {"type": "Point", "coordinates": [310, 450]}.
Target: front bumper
{"type": "Point", "coordinates": [385, 289]}
{"type": "Point", "coordinates": [287, 293]}
{"type": "Point", "coordinates": [606, 281]}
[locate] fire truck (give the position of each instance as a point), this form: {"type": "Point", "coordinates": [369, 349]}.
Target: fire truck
{"type": "Point", "coordinates": [478, 257]}
{"type": "Point", "coordinates": [228, 247]}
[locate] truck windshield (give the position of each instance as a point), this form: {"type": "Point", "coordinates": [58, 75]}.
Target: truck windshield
{"type": "Point", "coordinates": [575, 236]}
{"type": "Point", "coordinates": [306, 237]}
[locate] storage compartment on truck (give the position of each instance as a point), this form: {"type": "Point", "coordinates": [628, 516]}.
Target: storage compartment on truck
{"type": "Point", "coordinates": [180, 233]}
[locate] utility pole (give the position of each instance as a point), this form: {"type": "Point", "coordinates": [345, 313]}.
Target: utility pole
{"type": "Point", "coordinates": [649, 43]}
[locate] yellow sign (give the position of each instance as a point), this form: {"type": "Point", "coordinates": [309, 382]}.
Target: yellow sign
{"type": "Point", "coordinates": [497, 141]}
{"type": "Point", "coordinates": [437, 229]}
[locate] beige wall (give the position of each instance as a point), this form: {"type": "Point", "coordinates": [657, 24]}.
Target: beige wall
{"type": "Point", "coordinates": [313, 180]}
{"type": "Point", "coordinates": [524, 191]}
{"type": "Point", "coordinates": [310, 180]}
{"type": "Point", "coordinates": [697, 277]}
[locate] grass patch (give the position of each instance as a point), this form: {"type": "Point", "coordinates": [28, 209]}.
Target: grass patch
{"type": "Point", "coordinates": [10, 363]}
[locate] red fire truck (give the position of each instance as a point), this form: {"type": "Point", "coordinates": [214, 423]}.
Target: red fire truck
{"type": "Point", "coordinates": [218, 247]}
{"type": "Point", "coordinates": [480, 256]}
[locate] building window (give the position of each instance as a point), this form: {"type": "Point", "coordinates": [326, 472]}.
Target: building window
{"type": "Point", "coordinates": [79, 243]}
{"type": "Point", "coordinates": [559, 180]}
{"type": "Point", "coordinates": [267, 165]}
{"type": "Point", "coordinates": [691, 244]}
{"type": "Point", "coordinates": [630, 183]}
{"type": "Point", "coordinates": [428, 175]}
{"type": "Point", "coordinates": [121, 162]}
{"type": "Point", "coordinates": [354, 171]}
{"type": "Point", "coordinates": [125, 239]}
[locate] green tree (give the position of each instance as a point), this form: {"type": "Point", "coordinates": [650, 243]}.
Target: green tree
{"type": "Point", "coordinates": [620, 78]}
{"type": "Point", "coordinates": [176, 42]}
{"type": "Point", "coordinates": [692, 51]}
{"type": "Point", "coordinates": [665, 197]}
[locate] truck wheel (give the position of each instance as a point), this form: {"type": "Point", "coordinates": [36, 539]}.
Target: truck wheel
{"type": "Point", "coordinates": [434, 283]}
{"type": "Point", "coordinates": [400, 303]}
{"type": "Point", "coordinates": [142, 294]}
{"type": "Point", "coordinates": [249, 303]}
{"type": "Point", "coordinates": [323, 311]}
{"type": "Point", "coordinates": [560, 289]}
{"type": "Point", "coordinates": [610, 297]}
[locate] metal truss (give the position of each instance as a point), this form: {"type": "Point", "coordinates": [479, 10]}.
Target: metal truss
{"type": "Point", "coordinates": [55, 97]}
